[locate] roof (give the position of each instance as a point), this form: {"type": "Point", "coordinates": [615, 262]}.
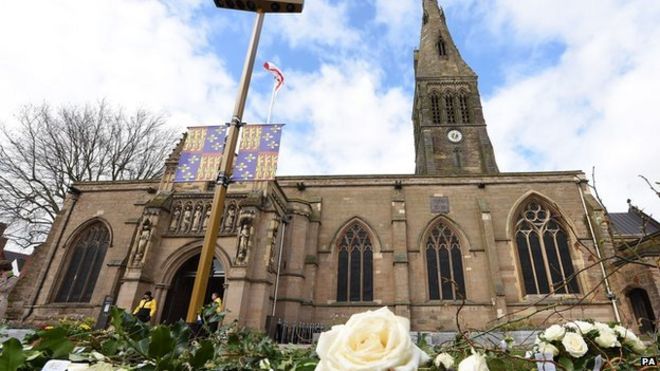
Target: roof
{"type": "Point", "coordinates": [634, 223]}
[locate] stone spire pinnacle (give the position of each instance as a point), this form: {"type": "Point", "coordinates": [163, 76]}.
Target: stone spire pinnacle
{"type": "Point", "coordinates": [449, 126]}
{"type": "Point", "coordinates": [438, 55]}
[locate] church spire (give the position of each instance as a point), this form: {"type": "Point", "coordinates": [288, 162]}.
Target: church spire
{"type": "Point", "coordinates": [438, 55]}
{"type": "Point", "coordinates": [450, 131]}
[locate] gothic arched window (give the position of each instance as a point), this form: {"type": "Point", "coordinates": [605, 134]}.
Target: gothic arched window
{"type": "Point", "coordinates": [442, 49]}
{"type": "Point", "coordinates": [444, 264]}
{"type": "Point", "coordinates": [543, 251]}
{"type": "Point", "coordinates": [355, 265]}
{"type": "Point", "coordinates": [435, 107]}
{"type": "Point", "coordinates": [88, 252]}
{"type": "Point", "coordinates": [449, 109]}
{"type": "Point", "coordinates": [463, 106]}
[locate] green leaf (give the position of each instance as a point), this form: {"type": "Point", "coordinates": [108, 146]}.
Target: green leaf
{"type": "Point", "coordinates": [581, 363]}
{"type": "Point", "coordinates": [496, 364]}
{"type": "Point", "coordinates": [566, 363]}
{"type": "Point", "coordinates": [55, 342]}
{"type": "Point", "coordinates": [162, 342]}
{"type": "Point", "coordinates": [12, 356]}
{"type": "Point", "coordinates": [110, 347]}
{"type": "Point", "coordinates": [202, 355]}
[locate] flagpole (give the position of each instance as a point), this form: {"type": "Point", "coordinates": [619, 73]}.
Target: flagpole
{"type": "Point", "coordinates": [224, 176]}
{"type": "Point", "coordinates": [272, 102]}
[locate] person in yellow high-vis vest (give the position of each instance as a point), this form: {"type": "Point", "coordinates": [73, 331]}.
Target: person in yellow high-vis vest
{"type": "Point", "coordinates": [217, 301]}
{"type": "Point", "coordinates": [146, 309]}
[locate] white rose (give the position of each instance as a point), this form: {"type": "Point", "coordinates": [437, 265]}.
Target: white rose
{"type": "Point", "coordinates": [602, 327]}
{"type": "Point", "coordinates": [554, 332]}
{"type": "Point", "coordinates": [626, 334]}
{"type": "Point", "coordinates": [373, 340]}
{"type": "Point", "coordinates": [574, 344]}
{"type": "Point", "coordinates": [630, 339]}
{"type": "Point", "coordinates": [582, 326]}
{"type": "Point", "coordinates": [607, 339]}
{"type": "Point", "coordinates": [638, 346]}
{"type": "Point", "coordinates": [444, 359]}
{"type": "Point", "coordinates": [544, 347]}
{"type": "Point", "coordinates": [475, 362]}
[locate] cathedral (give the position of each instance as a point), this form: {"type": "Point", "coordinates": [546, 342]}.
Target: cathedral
{"type": "Point", "coordinates": [458, 233]}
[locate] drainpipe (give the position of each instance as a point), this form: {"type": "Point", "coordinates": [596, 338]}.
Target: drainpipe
{"type": "Point", "coordinates": [610, 294]}
{"type": "Point", "coordinates": [285, 221]}
{"type": "Point", "coordinates": [75, 192]}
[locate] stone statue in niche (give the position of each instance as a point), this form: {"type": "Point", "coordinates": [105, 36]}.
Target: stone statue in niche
{"type": "Point", "coordinates": [186, 220]}
{"type": "Point", "coordinates": [243, 243]}
{"type": "Point", "coordinates": [207, 216]}
{"type": "Point", "coordinates": [228, 225]}
{"type": "Point", "coordinates": [143, 241]}
{"type": "Point", "coordinates": [273, 245]}
{"type": "Point", "coordinates": [175, 219]}
{"type": "Point", "coordinates": [197, 218]}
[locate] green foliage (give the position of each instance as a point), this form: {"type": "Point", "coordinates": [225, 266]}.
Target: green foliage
{"type": "Point", "coordinates": [12, 356]}
{"type": "Point", "coordinates": [133, 345]}
{"type": "Point", "coordinates": [54, 343]}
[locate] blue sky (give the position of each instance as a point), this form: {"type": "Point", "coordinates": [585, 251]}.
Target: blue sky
{"type": "Point", "coordinates": [565, 85]}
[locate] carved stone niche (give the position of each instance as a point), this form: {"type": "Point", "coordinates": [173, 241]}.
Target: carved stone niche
{"type": "Point", "coordinates": [143, 241]}
{"type": "Point", "coordinates": [273, 244]}
{"type": "Point", "coordinates": [245, 235]}
{"type": "Point", "coordinates": [229, 218]}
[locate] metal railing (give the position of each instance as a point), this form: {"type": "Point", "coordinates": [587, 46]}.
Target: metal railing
{"type": "Point", "coordinates": [296, 333]}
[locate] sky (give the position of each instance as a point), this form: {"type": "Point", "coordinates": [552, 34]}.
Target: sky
{"type": "Point", "coordinates": [565, 85]}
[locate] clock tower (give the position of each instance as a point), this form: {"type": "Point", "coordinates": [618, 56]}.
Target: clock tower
{"type": "Point", "coordinates": [450, 130]}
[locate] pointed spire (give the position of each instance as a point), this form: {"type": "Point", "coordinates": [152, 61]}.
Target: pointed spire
{"type": "Point", "coordinates": [438, 55]}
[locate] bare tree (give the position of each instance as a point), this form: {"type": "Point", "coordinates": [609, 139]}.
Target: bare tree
{"type": "Point", "coordinates": [655, 188]}
{"type": "Point", "coordinates": [48, 150]}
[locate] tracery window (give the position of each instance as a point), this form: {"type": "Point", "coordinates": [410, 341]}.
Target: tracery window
{"type": "Point", "coordinates": [442, 49]}
{"type": "Point", "coordinates": [543, 251]}
{"type": "Point", "coordinates": [88, 252]}
{"type": "Point", "coordinates": [435, 108]}
{"type": "Point", "coordinates": [355, 265]}
{"type": "Point", "coordinates": [463, 105]}
{"type": "Point", "coordinates": [444, 264]}
{"type": "Point", "coordinates": [449, 109]}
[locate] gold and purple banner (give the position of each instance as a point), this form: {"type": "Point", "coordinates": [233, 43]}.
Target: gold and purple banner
{"type": "Point", "coordinates": [256, 160]}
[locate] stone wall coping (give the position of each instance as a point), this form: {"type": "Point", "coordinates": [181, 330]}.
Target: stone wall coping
{"type": "Point", "coordinates": [118, 185]}
{"type": "Point", "coordinates": [422, 180]}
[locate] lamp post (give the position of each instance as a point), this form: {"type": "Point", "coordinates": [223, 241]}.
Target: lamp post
{"type": "Point", "coordinates": [224, 172]}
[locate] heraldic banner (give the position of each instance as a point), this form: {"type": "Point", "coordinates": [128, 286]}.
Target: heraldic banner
{"type": "Point", "coordinates": [202, 151]}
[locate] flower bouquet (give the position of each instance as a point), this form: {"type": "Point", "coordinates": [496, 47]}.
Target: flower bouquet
{"type": "Point", "coordinates": [588, 345]}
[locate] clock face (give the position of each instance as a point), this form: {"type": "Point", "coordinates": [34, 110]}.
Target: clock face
{"type": "Point", "coordinates": [454, 136]}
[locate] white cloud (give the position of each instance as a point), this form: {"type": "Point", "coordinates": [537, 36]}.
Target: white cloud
{"type": "Point", "coordinates": [401, 19]}
{"type": "Point", "coordinates": [134, 53]}
{"type": "Point", "coordinates": [596, 107]}
{"type": "Point", "coordinates": [346, 123]}
{"type": "Point", "coordinates": [321, 24]}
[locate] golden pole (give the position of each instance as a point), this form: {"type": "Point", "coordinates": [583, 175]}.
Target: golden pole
{"type": "Point", "coordinates": [224, 175]}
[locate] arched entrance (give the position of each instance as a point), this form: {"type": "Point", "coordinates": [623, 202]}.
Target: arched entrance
{"type": "Point", "coordinates": [178, 296]}
{"type": "Point", "coordinates": [641, 305]}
